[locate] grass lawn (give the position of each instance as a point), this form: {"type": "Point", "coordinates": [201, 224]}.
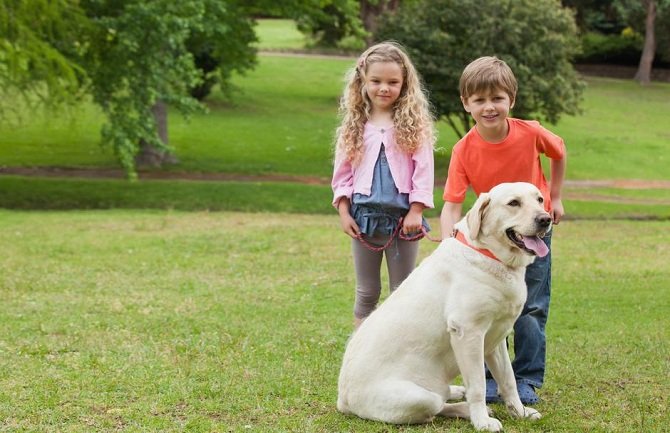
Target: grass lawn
{"type": "Point", "coordinates": [285, 197]}
{"type": "Point", "coordinates": [185, 316]}
{"type": "Point", "coordinates": [282, 122]}
{"type": "Point", "coordinates": [283, 118]}
{"type": "Point", "coordinates": [279, 34]}
{"type": "Point", "coordinates": [171, 321]}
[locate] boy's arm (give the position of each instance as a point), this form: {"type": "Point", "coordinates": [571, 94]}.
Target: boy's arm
{"type": "Point", "coordinates": [557, 176]}
{"type": "Point", "coordinates": [451, 214]}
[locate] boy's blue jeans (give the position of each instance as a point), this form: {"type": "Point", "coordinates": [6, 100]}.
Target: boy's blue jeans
{"type": "Point", "coordinates": [530, 346]}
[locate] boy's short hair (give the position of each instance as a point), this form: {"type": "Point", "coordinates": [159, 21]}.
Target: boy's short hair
{"type": "Point", "coordinates": [487, 74]}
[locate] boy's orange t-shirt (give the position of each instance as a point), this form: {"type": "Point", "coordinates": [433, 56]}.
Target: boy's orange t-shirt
{"type": "Point", "coordinates": [483, 165]}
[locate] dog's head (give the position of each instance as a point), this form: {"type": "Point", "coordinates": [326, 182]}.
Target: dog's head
{"type": "Point", "coordinates": [510, 221]}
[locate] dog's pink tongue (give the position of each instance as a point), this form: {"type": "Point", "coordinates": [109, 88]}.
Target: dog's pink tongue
{"type": "Point", "coordinates": [534, 243]}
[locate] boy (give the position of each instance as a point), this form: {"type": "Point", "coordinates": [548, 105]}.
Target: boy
{"type": "Point", "coordinates": [503, 149]}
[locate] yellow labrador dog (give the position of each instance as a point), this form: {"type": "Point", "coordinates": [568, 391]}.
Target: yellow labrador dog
{"type": "Point", "coordinates": [448, 317]}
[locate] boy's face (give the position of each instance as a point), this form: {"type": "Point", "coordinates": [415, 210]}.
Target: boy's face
{"type": "Point", "coordinates": [489, 110]}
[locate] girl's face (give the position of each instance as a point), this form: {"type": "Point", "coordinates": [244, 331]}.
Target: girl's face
{"type": "Point", "coordinates": [383, 84]}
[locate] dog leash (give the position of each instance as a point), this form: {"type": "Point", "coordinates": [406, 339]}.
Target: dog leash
{"type": "Point", "coordinates": [397, 233]}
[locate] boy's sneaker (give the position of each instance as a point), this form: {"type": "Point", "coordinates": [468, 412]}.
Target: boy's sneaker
{"type": "Point", "coordinates": [492, 392]}
{"type": "Point", "coordinates": [526, 393]}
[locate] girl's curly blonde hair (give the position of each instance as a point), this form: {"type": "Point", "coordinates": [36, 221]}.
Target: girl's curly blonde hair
{"type": "Point", "coordinates": [412, 119]}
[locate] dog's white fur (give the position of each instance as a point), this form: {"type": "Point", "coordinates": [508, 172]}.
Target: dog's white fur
{"type": "Point", "coordinates": [448, 317]}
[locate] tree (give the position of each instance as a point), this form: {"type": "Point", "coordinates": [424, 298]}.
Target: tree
{"type": "Point", "coordinates": [331, 23]}
{"type": "Point", "coordinates": [537, 38]}
{"type": "Point", "coordinates": [643, 74]}
{"type": "Point", "coordinates": [652, 18]}
{"type": "Point", "coordinates": [38, 47]}
{"type": "Point", "coordinates": [371, 10]}
{"type": "Point", "coordinates": [139, 63]}
{"type": "Point", "coordinates": [596, 15]}
{"type": "Point", "coordinates": [222, 45]}
{"type": "Point", "coordinates": [134, 57]}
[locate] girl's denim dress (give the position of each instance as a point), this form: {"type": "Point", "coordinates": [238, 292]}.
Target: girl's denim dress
{"type": "Point", "coordinates": [380, 212]}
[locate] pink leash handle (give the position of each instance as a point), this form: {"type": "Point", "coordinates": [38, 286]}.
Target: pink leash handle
{"type": "Point", "coordinates": [397, 233]}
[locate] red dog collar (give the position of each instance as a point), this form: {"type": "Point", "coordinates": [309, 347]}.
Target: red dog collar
{"type": "Point", "coordinates": [461, 237]}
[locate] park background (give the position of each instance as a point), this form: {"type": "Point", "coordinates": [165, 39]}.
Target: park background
{"type": "Point", "coordinates": [215, 294]}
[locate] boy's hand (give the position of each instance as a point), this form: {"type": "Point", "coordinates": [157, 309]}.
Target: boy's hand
{"type": "Point", "coordinates": [451, 213]}
{"type": "Point", "coordinates": [557, 212]}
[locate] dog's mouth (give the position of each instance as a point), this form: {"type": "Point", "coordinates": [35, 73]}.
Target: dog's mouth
{"type": "Point", "coordinates": [531, 244]}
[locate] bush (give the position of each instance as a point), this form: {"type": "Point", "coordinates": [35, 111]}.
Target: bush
{"type": "Point", "coordinates": [622, 49]}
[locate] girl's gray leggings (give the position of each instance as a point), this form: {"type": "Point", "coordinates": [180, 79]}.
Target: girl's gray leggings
{"type": "Point", "coordinates": [400, 261]}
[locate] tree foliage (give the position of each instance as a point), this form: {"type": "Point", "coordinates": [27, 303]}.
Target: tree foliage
{"type": "Point", "coordinates": [331, 23]}
{"type": "Point", "coordinates": [139, 55]}
{"type": "Point", "coordinates": [613, 31]}
{"type": "Point", "coordinates": [39, 44]}
{"type": "Point", "coordinates": [132, 56]}
{"type": "Point", "coordinates": [537, 38]}
{"type": "Point", "coordinates": [635, 13]}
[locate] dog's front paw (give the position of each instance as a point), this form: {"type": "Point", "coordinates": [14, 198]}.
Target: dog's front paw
{"type": "Point", "coordinates": [487, 424]}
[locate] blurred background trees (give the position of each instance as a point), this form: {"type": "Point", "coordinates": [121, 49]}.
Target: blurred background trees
{"type": "Point", "coordinates": [39, 46]}
{"type": "Point", "coordinates": [137, 58]}
{"type": "Point", "coordinates": [624, 32]}
{"type": "Point", "coordinates": [134, 58]}
{"type": "Point", "coordinates": [537, 38]}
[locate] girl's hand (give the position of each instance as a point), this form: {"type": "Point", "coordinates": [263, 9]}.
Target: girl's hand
{"type": "Point", "coordinates": [347, 222]}
{"type": "Point", "coordinates": [349, 225]}
{"type": "Point", "coordinates": [411, 224]}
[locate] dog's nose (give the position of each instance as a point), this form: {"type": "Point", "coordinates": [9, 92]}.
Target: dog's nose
{"type": "Point", "coordinates": [543, 220]}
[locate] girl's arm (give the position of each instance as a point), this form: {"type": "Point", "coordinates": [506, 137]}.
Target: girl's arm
{"type": "Point", "coordinates": [423, 177]}
{"type": "Point", "coordinates": [347, 222]}
{"type": "Point", "coordinates": [342, 183]}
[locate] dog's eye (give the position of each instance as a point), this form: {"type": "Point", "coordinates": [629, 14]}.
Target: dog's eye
{"type": "Point", "coordinates": [540, 200]}
{"type": "Point", "coordinates": [514, 203]}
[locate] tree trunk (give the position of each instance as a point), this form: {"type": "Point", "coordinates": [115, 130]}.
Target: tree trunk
{"type": "Point", "coordinates": [149, 155]}
{"type": "Point", "coordinates": [643, 74]}
{"type": "Point", "coordinates": [370, 11]}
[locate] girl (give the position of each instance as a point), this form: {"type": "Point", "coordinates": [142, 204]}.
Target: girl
{"type": "Point", "coordinates": [383, 171]}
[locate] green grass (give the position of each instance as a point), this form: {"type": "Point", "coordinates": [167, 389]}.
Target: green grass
{"type": "Point", "coordinates": [283, 121]}
{"type": "Point", "coordinates": [622, 133]}
{"type": "Point", "coordinates": [172, 321]}
{"type": "Point", "coordinates": [279, 34]}
{"type": "Point", "coordinates": [164, 320]}
{"type": "Point", "coordinates": [41, 193]}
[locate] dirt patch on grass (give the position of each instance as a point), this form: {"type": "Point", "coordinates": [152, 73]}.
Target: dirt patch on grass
{"type": "Point", "coordinates": [116, 173]}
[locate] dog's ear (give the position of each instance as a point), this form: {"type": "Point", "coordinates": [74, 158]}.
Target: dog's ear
{"type": "Point", "coordinates": [476, 214]}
